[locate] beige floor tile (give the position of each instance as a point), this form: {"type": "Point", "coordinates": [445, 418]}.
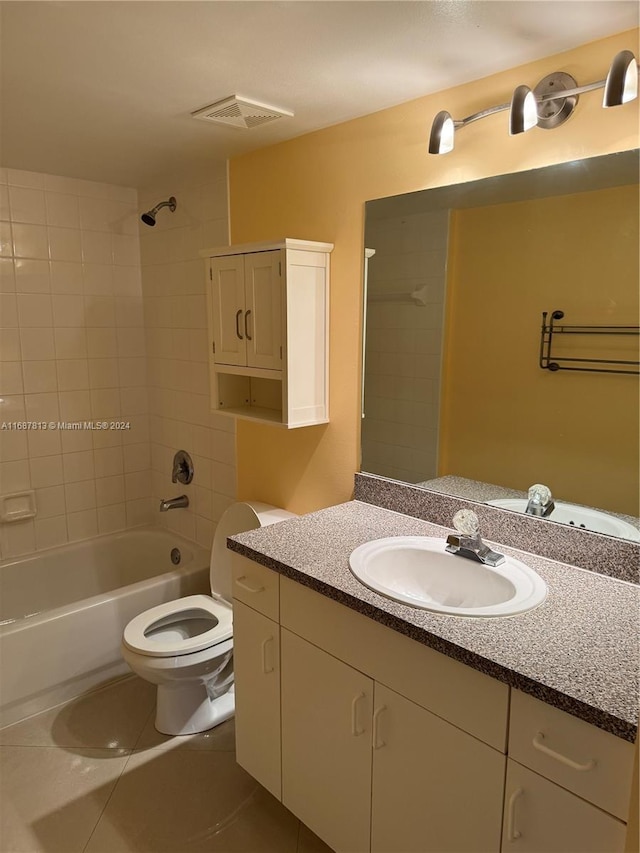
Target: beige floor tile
{"type": "Point", "coordinates": [51, 799]}
{"type": "Point", "coordinates": [188, 801]}
{"type": "Point", "coordinates": [113, 717]}
{"type": "Point", "coordinates": [222, 738]}
{"type": "Point", "coordinates": [310, 843]}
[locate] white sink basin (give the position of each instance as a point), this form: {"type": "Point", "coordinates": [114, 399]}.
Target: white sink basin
{"type": "Point", "coordinates": [417, 570]}
{"type": "Point", "coordinates": [577, 516]}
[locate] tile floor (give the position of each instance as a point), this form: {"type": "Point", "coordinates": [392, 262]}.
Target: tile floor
{"type": "Point", "coordinates": [94, 775]}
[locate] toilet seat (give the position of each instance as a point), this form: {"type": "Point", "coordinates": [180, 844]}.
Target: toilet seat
{"type": "Point", "coordinates": [137, 634]}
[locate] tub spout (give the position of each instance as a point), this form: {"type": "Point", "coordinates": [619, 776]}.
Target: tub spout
{"type": "Point", "coordinates": [174, 503]}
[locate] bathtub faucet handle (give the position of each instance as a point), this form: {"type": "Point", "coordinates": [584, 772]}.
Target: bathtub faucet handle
{"type": "Point", "coordinates": [182, 468]}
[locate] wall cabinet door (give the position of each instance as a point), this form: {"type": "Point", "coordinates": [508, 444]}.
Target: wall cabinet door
{"type": "Point", "coordinates": [228, 309]}
{"type": "Point", "coordinates": [541, 817]}
{"type": "Point", "coordinates": [257, 685]}
{"type": "Point", "coordinates": [326, 744]}
{"type": "Point", "coordinates": [436, 788]}
{"type": "Point", "coordinates": [247, 310]}
{"type": "Point", "coordinates": [263, 313]}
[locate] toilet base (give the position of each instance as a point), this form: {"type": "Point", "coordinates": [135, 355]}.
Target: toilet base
{"type": "Point", "coordinates": [186, 709]}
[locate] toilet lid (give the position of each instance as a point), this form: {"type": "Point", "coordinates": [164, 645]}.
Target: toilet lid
{"type": "Point", "coordinates": [179, 627]}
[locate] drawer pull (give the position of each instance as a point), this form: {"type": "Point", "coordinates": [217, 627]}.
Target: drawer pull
{"type": "Point", "coordinates": [512, 833]}
{"type": "Point", "coordinates": [538, 743]}
{"type": "Point", "coordinates": [266, 667]}
{"type": "Point", "coordinates": [356, 731]}
{"type": "Point", "coordinates": [242, 583]}
{"type": "Point", "coordinates": [378, 743]}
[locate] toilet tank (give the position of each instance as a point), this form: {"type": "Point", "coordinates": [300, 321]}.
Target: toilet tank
{"type": "Point", "coordinates": [238, 518]}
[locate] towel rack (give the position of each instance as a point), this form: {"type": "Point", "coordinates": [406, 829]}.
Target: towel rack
{"type": "Point", "coordinates": [548, 362]}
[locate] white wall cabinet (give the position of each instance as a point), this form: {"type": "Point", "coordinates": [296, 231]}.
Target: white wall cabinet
{"type": "Point", "coordinates": [388, 746]}
{"type": "Point", "coordinates": [268, 306]}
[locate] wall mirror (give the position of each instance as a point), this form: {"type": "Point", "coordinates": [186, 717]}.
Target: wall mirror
{"type": "Point", "coordinates": [456, 282]}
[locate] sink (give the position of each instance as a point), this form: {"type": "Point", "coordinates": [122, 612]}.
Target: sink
{"type": "Point", "coordinates": [417, 570]}
{"type": "Point", "coordinates": [578, 516]}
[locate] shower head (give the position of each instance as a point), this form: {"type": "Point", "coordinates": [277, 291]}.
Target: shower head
{"type": "Point", "coordinates": [149, 218]}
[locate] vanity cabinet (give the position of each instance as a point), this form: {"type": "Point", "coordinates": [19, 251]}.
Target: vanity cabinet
{"type": "Point", "coordinates": [378, 743]}
{"type": "Point", "coordinates": [256, 651]}
{"type": "Point", "coordinates": [268, 320]}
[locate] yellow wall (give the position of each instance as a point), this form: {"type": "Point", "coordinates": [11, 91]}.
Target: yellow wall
{"type": "Point", "coordinates": [507, 264]}
{"type": "Point", "coordinates": [314, 187]}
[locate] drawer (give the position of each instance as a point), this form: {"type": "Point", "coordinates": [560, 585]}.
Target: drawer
{"type": "Point", "coordinates": [592, 763]}
{"type": "Point", "coordinates": [459, 694]}
{"type": "Point", "coordinates": [256, 586]}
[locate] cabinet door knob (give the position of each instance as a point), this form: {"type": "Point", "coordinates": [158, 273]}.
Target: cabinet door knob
{"type": "Point", "coordinates": [378, 743]}
{"type": "Point", "coordinates": [356, 731]}
{"type": "Point", "coordinates": [246, 325]}
{"type": "Point", "coordinates": [512, 833]}
{"type": "Point", "coordinates": [538, 743]}
{"type": "Point", "coordinates": [238, 313]}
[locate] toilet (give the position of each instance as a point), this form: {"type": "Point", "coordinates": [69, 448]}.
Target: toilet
{"type": "Point", "coordinates": [186, 646]}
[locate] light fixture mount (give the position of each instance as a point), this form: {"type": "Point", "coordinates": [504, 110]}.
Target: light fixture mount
{"type": "Point", "coordinates": [552, 112]}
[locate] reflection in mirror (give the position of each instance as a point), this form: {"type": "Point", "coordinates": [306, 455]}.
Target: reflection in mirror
{"type": "Point", "coordinates": [455, 398]}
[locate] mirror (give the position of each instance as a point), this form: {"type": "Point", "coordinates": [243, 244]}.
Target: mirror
{"type": "Point", "coordinates": [457, 279]}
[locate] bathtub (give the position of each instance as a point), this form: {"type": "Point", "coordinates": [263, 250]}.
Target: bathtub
{"type": "Point", "coordinates": [62, 611]}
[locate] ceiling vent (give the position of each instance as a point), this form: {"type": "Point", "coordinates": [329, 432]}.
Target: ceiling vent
{"type": "Point", "coordinates": [239, 112]}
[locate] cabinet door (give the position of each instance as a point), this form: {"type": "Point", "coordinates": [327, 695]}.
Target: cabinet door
{"type": "Point", "coordinates": [326, 744]}
{"type": "Point", "coordinates": [541, 817]}
{"type": "Point", "coordinates": [436, 788]}
{"type": "Point", "coordinates": [228, 309]}
{"type": "Point", "coordinates": [257, 684]}
{"type": "Point", "coordinates": [262, 319]}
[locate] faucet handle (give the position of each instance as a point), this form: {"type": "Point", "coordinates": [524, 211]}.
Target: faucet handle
{"type": "Point", "coordinates": [466, 522]}
{"type": "Point", "coordinates": [540, 493]}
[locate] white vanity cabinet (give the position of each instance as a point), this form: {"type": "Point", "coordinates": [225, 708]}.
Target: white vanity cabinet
{"type": "Point", "coordinates": [379, 743]}
{"type": "Point", "coordinates": [268, 307]}
{"type": "Point", "coordinates": [578, 796]}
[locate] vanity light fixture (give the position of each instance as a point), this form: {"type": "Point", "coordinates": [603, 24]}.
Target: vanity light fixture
{"type": "Point", "coordinates": [548, 105]}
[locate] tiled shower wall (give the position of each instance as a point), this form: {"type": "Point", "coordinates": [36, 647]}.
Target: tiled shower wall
{"type": "Point", "coordinates": [174, 288]}
{"type": "Point", "coordinates": [71, 349]}
{"type": "Point", "coordinates": [404, 345]}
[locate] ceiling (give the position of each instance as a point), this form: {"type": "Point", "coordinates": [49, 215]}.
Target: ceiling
{"type": "Point", "coordinates": [104, 90]}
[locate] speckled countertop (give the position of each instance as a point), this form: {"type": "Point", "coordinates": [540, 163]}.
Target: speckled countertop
{"type": "Point", "coordinates": [578, 651]}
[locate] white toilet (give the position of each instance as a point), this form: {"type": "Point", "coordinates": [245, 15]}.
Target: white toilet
{"type": "Point", "coordinates": [186, 646]}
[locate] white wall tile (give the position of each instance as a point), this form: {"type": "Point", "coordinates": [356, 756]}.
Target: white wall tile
{"type": "Point", "coordinates": [34, 310]}
{"type": "Point", "coordinates": [51, 532]}
{"type": "Point", "coordinates": [32, 276]}
{"type": "Point", "coordinates": [68, 310]}
{"type": "Point", "coordinates": [6, 240]}
{"type": "Point", "coordinates": [50, 501]}
{"type": "Point", "coordinates": [110, 490]}
{"type": "Point", "coordinates": [78, 467]}
{"type": "Point", "coordinates": [36, 344]}
{"type": "Point", "coordinates": [39, 376]}
{"type": "Point", "coordinates": [112, 518]}
{"type": "Point", "coordinates": [30, 241]}
{"type": "Point", "coordinates": [14, 476]}
{"type": "Point", "coordinates": [7, 276]}
{"type": "Point", "coordinates": [82, 525]}
{"type": "Point", "coordinates": [80, 495]}
{"type": "Point", "coordinates": [9, 345]}
{"type": "Point", "coordinates": [20, 178]}
{"type": "Point", "coordinates": [62, 210]}
{"type": "Point", "coordinates": [66, 277]}
{"type": "Point", "coordinates": [64, 244]}
{"type": "Point", "coordinates": [27, 205]}
{"type": "Point", "coordinates": [73, 374]}
{"type": "Point", "coordinates": [70, 343]}
{"type": "Point", "coordinates": [46, 471]}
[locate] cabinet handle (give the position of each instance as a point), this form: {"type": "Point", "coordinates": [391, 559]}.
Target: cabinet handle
{"type": "Point", "coordinates": [512, 833]}
{"type": "Point", "coordinates": [266, 668]}
{"type": "Point", "coordinates": [246, 325]}
{"type": "Point", "coordinates": [378, 743]}
{"type": "Point", "coordinates": [356, 731]}
{"type": "Point", "coordinates": [238, 313]}
{"type": "Point", "coordinates": [242, 583]}
{"type": "Point", "coordinates": [574, 765]}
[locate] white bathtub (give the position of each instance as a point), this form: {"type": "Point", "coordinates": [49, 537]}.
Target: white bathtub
{"type": "Point", "coordinates": [62, 612]}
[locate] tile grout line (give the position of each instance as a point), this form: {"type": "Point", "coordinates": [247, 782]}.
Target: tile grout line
{"type": "Point", "coordinates": [108, 800]}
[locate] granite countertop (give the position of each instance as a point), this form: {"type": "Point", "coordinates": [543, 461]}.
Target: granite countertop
{"type": "Point", "coordinates": [577, 651]}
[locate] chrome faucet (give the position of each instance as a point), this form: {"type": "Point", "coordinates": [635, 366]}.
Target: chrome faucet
{"type": "Point", "coordinates": [468, 542]}
{"type": "Point", "coordinates": [540, 501]}
{"type": "Point", "coordinates": [174, 503]}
